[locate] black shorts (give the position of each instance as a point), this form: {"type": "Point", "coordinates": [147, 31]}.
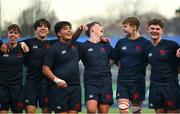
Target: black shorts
{"type": "Point", "coordinates": [37, 94]}
{"type": "Point", "coordinates": [65, 99]}
{"type": "Point", "coordinates": [134, 91]}
{"type": "Point", "coordinates": [12, 97]}
{"type": "Point", "coordinates": [100, 91]}
{"type": "Point", "coordinates": [164, 97]}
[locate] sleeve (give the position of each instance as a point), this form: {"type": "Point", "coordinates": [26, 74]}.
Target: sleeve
{"type": "Point", "coordinates": [110, 49]}
{"type": "Point", "coordinates": [76, 34]}
{"type": "Point", "coordinates": [115, 53]}
{"type": "Point", "coordinates": [176, 46]}
{"type": "Point", "coordinates": [49, 57]}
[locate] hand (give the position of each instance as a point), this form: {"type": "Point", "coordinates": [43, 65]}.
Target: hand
{"type": "Point", "coordinates": [60, 83]}
{"type": "Point", "coordinates": [178, 53]}
{"type": "Point", "coordinates": [5, 48]}
{"type": "Point", "coordinates": [83, 27]}
{"type": "Point", "coordinates": [105, 40]}
{"type": "Point", "coordinates": [24, 47]}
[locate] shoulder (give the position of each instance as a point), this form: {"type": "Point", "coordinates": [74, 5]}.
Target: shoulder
{"type": "Point", "coordinates": [170, 42]}
{"type": "Point", "coordinates": [144, 39]}
{"type": "Point", "coordinates": [120, 41]}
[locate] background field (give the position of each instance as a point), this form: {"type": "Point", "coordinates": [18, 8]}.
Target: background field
{"type": "Point", "coordinates": [113, 110]}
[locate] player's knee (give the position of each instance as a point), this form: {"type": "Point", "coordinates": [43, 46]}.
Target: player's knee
{"type": "Point", "coordinates": [91, 109]}
{"type": "Point", "coordinates": [136, 109]}
{"type": "Point", "coordinates": [124, 107]}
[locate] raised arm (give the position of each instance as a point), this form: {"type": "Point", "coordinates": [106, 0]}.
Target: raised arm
{"type": "Point", "coordinates": [78, 32]}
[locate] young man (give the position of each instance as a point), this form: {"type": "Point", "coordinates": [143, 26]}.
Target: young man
{"type": "Point", "coordinates": [95, 56]}
{"type": "Point", "coordinates": [61, 66]}
{"type": "Point", "coordinates": [164, 87]}
{"type": "Point", "coordinates": [36, 84]}
{"type": "Point", "coordinates": [130, 52]}
{"type": "Point", "coordinates": [11, 70]}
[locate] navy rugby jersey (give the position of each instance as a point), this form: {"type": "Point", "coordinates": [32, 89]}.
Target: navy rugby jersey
{"type": "Point", "coordinates": [34, 59]}
{"type": "Point", "coordinates": [64, 62]}
{"type": "Point", "coordinates": [163, 61]}
{"type": "Point", "coordinates": [132, 57]}
{"type": "Point", "coordinates": [11, 66]}
{"type": "Point", "coordinates": [95, 57]}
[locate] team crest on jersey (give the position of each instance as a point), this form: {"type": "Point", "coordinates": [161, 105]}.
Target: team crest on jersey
{"type": "Point", "coordinates": [73, 47]}
{"type": "Point", "coordinates": [150, 54]}
{"type": "Point", "coordinates": [102, 49]}
{"type": "Point", "coordinates": [138, 48]}
{"type": "Point", "coordinates": [108, 97]}
{"type": "Point", "coordinates": [5, 55]}
{"type": "Point", "coordinates": [90, 49]}
{"type": "Point", "coordinates": [77, 106]}
{"type": "Point", "coordinates": [35, 46]}
{"type": "Point", "coordinates": [124, 48]}
{"type": "Point", "coordinates": [20, 104]}
{"type": "Point", "coordinates": [63, 52]}
{"type": "Point", "coordinates": [170, 103]}
{"type": "Point", "coordinates": [136, 96]}
{"type": "Point", "coordinates": [162, 52]}
{"type": "Point", "coordinates": [18, 54]}
{"type": "Point", "coordinates": [47, 46]}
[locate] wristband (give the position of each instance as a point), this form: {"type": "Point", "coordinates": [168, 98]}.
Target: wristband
{"type": "Point", "coordinates": [56, 80]}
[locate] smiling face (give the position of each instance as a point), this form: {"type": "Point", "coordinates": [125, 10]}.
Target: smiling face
{"type": "Point", "coordinates": [130, 25]}
{"type": "Point", "coordinates": [155, 31]}
{"type": "Point", "coordinates": [13, 35]}
{"type": "Point", "coordinates": [65, 33]}
{"type": "Point", "coordinates": [42, 30]}
{"type": "Point", "coordinates": [127, 29]}
{"type": "Point", "coordinates": [155, 28]}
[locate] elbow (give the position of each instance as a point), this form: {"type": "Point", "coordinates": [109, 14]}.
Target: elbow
{"type": "Point", "coordinates": [44, 69]}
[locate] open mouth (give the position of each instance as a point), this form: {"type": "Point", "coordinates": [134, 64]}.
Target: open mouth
{"type": "Point", "coordinates": [155, 34]}
{"type": "Point", "coordinates": [42, 30]}
{"type": "Point", "coordinates": [69, 34]}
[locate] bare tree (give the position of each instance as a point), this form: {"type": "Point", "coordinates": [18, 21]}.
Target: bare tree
{"type": "Point", "coordinates": [38, 9]}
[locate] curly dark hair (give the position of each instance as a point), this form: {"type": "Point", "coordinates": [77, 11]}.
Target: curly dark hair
{"type": "Point", "coordinates": [156, 21]}
{"type": "Point", "coordinates": [14, 27]}
{"type": "Point", "coordinates": [42, 21]}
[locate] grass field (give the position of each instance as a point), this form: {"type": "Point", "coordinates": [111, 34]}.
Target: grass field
{"type": "Point", "coordinates": [113, 110]}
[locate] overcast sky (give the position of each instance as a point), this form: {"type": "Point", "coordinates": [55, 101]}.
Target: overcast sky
{"type": "Point", "coordinates": [72, 10]}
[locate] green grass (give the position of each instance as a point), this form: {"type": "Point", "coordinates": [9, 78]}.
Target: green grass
{"type": "Point", "coordinates": [116, 111]}
{"type": "Point", "coordinates": [112, 110]}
